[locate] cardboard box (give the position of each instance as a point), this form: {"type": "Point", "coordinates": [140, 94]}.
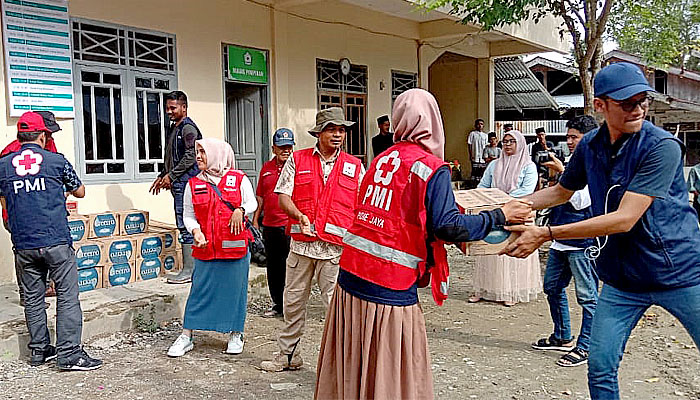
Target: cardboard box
{"type": "Point", "coordinates": [163, 227]}
{"type": "Point", "coordinates": [149, 245]}
{"type": "Point", "coordinates": [72, 207]}
{"type": "Point", "coordinates": [133, 222]}
{"type": "Point", "coordinates": [79, 227]}
{"type": "Point", "coordinates": [89, 254]}
{"type": "Point", "coordinates": [89, 279]}
{"type": "Point", "coordinates": [119, 274]}
{"type": "Point", "coordinates": [103, 225]}
{"type": "Point", "coordinates": [119, 250]}
{"type": "Point", "coordinates": [149, 268]}
{"type": "Point", "coordinates": [171, 262]}
{"type": "Point", "coordinates": [170, 241]}
{"type": "Point", "coordinates": [472, 202]}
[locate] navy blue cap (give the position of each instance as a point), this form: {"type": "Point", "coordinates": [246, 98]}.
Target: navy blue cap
{"type": "Point", "coordinates": [283, 137]}
{"type": "Point", "coordinates": [620, 81]}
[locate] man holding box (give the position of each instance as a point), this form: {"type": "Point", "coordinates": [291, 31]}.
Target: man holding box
{"type": "Point", "coordinates": [180, 166]}
{"type": "Point", "coordinates": [639, 199]}
{"type": "Point", "coordinates": [32, 183]}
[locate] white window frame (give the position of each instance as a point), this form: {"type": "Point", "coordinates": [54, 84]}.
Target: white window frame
{"type": "Point", "coordinates": [398, 85]}
{"type": "Point", "coordinates": [128, 76]}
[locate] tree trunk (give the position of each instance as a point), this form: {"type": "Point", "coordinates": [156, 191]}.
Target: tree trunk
{"type": "Point", "coordinates": [587, 84]}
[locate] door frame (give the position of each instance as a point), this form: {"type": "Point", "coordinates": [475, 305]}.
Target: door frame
{"type": "Point", "coordinates": [264, 101]}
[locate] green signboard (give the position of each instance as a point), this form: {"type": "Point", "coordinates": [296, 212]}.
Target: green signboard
{"type": "Point", "coordinates": [247, 65]}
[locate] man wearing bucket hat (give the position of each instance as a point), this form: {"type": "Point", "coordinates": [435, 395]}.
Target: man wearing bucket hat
{"type": "Point", "coordinates": [318, 191]}
{"type": "Point", "coordinates": [33, 183]}
{"type": "Point", "coordinates": [650, 253]}
{"type": "Point", "coordinates": [274, 219]}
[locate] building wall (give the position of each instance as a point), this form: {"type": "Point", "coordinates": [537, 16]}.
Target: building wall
{"type": "Point", "coordinates": [294, 44]}
{"type": "Point", "coordinates": [458, 101]}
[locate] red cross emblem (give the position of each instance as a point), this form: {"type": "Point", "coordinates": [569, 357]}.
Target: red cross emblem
{"type": "Point", "coordinates": [386, 168]}
{"type": "Point", "coordinates": [27, 163]}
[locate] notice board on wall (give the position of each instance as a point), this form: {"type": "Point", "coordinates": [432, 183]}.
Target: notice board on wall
{"type": "Point", "coordinates": [38, 58]}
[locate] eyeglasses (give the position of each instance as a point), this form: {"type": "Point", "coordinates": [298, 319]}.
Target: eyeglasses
{"type": "Point", "coordinates": [631, 105]}
{"type": "Point", "coordinates": [509, 141]}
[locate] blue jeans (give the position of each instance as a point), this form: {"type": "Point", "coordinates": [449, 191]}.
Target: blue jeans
{"type": "Point", "coordinates": [617, 314]}
{"type": "Point", "coordinates": [178, 191]}
{"type": "Point", "coordinates": [561, 266]}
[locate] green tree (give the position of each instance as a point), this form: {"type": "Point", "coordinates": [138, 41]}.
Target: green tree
{"type": "Point", "coordinates": [583, 20]}
{"type": "Point", "coordinates": [662, 32]}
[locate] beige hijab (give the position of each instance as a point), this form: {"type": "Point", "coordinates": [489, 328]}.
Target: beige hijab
{"type": "Point", "coordinates": [220, 159]}
{"type": "Point", "coordinates": [416, 118]}
{"type": "Point", "coordinates": [507, 170]}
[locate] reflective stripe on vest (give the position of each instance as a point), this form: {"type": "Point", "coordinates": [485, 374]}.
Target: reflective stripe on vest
{"type": "Point", "coordinates": [232, 244]}
{"type": "Point", "coordinates": [335, 230]}
{"type": "Point", "coordinates": [423, 171]}
{"type": "Point", "coordinates": [381, 251]}
{"type": "Point", "coordinates": [296, 228]}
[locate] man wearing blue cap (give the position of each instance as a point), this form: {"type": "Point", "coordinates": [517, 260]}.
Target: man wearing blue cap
{"type": "Point", "coordinates": [274, 219]}
{"type": "Point", "coordinates": [649, 242]}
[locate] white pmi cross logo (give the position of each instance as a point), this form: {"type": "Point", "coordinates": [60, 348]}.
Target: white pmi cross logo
{"type": "Point", "coordinates": [392, 162]}
{"type": "Point", "coordinates": [27, 163]}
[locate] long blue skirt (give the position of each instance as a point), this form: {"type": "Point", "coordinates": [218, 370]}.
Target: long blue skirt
{"type": "Point", "coordinates": [218, 297]}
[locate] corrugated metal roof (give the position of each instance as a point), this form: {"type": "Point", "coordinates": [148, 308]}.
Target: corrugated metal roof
{"type": "Point", "coordinates": [517, 88]}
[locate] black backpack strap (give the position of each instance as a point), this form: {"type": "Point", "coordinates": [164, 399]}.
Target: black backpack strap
{"type": "Point", "coordinates": [218, 193]}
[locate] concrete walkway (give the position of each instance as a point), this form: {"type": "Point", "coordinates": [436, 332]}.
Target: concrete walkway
{"type": "Point", "coordinates": [104, 310]}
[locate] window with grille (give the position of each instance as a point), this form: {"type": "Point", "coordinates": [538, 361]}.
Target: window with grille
{"type": "Point", "coordinates": [350, 93]}
{"type": "Point", "coordinates": [401, 82]}
{"type": "Point", "coordinates": [124, 74]}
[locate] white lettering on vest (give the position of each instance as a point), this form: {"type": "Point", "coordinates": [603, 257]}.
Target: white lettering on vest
{"type": "Point", "coordinates": [362, 216]}
{"type": "Point", "coordinates": [30, 185]}
{"type": "Point", "coordinates": [381, 197]}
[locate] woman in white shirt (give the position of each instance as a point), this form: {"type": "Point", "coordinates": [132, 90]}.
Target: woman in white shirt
{"type": "Point", "coordinates": [215, 204]}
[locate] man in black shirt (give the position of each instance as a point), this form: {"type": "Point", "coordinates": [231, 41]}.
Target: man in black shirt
{"type": "Point", "coordinates": [385, 138]}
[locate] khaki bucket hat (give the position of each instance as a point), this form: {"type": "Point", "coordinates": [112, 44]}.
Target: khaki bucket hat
{"type": "Point", "coordinates": [333, 115]}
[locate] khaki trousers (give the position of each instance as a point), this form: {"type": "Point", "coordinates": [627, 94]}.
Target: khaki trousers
{"type": "Point", "coordinates": [300, 273]}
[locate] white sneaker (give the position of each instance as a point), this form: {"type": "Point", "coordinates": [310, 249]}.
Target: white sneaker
{"type": "Point", "coordinates": [235, 343]}
{"type": "Point", "coordinates": [182, 345]}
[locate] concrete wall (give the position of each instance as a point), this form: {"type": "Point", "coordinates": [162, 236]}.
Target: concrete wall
{"type": "Point", "coordinates": [458, 101]}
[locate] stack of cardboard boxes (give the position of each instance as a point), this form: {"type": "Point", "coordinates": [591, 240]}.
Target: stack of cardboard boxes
{"type": "Point", "coordinates": [116, 248]}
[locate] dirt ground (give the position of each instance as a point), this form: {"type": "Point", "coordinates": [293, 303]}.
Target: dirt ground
{"type": "Point", "coordinates": [479, 351]}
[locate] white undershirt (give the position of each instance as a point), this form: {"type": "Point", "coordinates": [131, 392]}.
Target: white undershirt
{"type": "Point", "coordinates": [580, 200]}
{"type": "Point", "coordinates": [248, 202]}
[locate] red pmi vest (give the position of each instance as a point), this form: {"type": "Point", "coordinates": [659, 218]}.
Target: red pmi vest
{"type": "Point", "coordinates": [273, 216]}
{"type": "Point", "coordinates": [330, 207]}
{"type": "Point", "coordinates": [386, 244]}
{"type": "Point", "coordinates": [214, 216]}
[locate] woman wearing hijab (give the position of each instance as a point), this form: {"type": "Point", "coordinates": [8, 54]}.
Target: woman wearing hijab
{"type": "Point", "coordinates": [215, 204]}
{"type": "Point", "coordinates": [374, 343]}
{"type": "Point", "coordinates": [502, 278]}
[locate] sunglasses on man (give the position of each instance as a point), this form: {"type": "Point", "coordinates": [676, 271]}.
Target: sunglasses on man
{"type": "Point", "coordinates": [630, 105]}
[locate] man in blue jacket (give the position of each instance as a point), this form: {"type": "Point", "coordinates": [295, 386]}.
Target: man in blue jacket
{"type": "Point", "coordinates": [650, 250]}
{"type": "Point", "coordinates": [32, 183]}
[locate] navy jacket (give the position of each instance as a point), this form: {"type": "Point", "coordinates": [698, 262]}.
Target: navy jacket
{"type": "Point", "coordinates": [662, 250]}
{"type": "Point", "coordinates": [32, 181]}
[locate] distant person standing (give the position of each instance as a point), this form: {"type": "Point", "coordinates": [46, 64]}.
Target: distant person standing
{"type": "Point", "coordinates": [477, 141]}
{"type": "Point", "coordinates": [180, 166]}
{"type": "Point", "coordinates": [385, 138]}
{"type": "Point", "coordinates": [274, 219]}
{"type": "Point", "coordinates": [694, 187]}
{"type": "Point", "coordinates": [33, 183]}
{"type": "Point", "coordinates": [492, 151]}
{"type": "Point", "coordinates": [541, 147]}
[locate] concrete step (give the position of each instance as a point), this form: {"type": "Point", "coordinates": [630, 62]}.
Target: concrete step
{"type": "Point", "coordinates": [137, 305]}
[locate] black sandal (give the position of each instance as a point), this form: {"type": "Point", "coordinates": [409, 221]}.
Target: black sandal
{"type": "Point", "coordinates": [574, 358]}
{"type": "Point", "coordinates": [552, 343]}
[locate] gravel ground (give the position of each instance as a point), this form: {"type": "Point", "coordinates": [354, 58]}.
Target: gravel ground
{"type": "Point", "coordinates": [479, 351]}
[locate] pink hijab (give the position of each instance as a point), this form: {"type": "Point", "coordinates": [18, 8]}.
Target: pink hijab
{"type": "Point", "coordinates": [416, 118]}
{"type": "Point", "coordinates": [220, 159]}
{"type": "Point", "coordinates": [507, 170]}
